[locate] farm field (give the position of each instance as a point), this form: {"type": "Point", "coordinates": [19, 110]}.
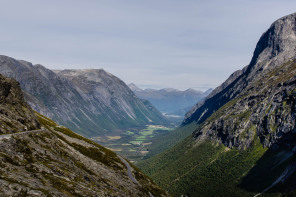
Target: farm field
{"type": "Point", "coordinates": [133, 143]}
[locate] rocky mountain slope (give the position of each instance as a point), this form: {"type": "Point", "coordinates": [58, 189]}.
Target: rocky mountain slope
{"type": "Point", "coordinates": [266, 108]}
{"type": "Point", "coordinates": [246, 142]}
{"type": "Point", "coordinates": [53, 161]}
{"type": "Point", "coordinates": [170, 100]}
{"type": "Point", "coordinates": [113, 93]}
{"type": "Point", "coordinates": [91, 104]}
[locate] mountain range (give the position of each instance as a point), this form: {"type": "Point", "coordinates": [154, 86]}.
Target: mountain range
{"type": "Point", "coordinates": [244, 143]}
{"type": "Point", "coordinates": [171, 101]}
{"type": "Point", "coordinates": [91, 102]}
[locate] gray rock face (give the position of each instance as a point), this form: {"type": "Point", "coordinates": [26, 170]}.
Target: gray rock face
{"type": "Point", "coordinates": [113, 96]}
{"type": "Point", "coordinates": [90, 102]}
{"type": "Point", "coordinates": [275, 47]}
{"type": "Point", "coordinates": [15, 114]}
{"type": "Point", "coordinates": [258, 100]}
{"type": "Point", "coordinates": [265, 108]}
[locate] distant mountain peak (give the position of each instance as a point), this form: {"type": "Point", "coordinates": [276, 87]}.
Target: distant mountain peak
{"type": "Point", "coordinates": [193, 90]}
{"type": "Point", "coordinates": [170, 100]}
{"type": "Point", "coordinates": [133, 87]}
{"type": "Point", "coordinates": [170, 90]}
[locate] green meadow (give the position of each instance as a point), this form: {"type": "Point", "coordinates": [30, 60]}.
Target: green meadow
{"type": "Point", "coordinates": [134, 143]}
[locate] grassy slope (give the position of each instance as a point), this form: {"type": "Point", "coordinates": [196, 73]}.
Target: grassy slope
{"type": "Point", "coordinates": [169, 139]}
{"type": "Point", "coordinates": [208, 169]}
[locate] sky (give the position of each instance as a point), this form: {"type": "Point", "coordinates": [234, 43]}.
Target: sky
{"type": "Point", "coordinates": [154, 44]}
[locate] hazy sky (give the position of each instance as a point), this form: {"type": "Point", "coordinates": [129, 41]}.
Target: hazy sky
{"type": "Point", "coordinates": [154, 43]}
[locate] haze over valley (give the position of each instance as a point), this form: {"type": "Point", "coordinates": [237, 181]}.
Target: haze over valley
{"type": "Point", "coordinates": [171, 101]}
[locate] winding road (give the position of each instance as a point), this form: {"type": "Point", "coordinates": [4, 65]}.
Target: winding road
{"type": "Point", "coordinates": [129, 171]}
{"type": "Point", "coordinates": [7, 136]}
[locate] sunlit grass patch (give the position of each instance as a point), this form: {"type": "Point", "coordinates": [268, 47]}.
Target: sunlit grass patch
{"type": "Point", "coordinates": [129, 132]}
{"type": "Point", "coordinates": [117, 137]}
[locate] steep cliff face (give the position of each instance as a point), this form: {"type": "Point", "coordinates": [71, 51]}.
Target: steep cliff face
{"type": "Point", "coordinates": [266, 108]}
{"type": "Point", "coordinates": [260, 99]}
{"type": "Point", "coordinates": [15, 114]}
{"type": "Point", "coordinates": [83, 104]}
{"type": "Point", "coordinates": [275, 47]}
{"type": "Point", "coordinates": [51, 160]}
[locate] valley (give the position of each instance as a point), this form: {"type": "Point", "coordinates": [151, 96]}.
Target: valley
{"type": "Point", "coordinates": [172, 102]}
{"type": "Point", "coordinates": [135, 143]}
{"type": "Point", "coordinates": [75, 131]}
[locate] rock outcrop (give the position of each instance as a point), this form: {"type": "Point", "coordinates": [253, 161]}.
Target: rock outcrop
{"type": "Point", "coordinates": [15, 114]}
